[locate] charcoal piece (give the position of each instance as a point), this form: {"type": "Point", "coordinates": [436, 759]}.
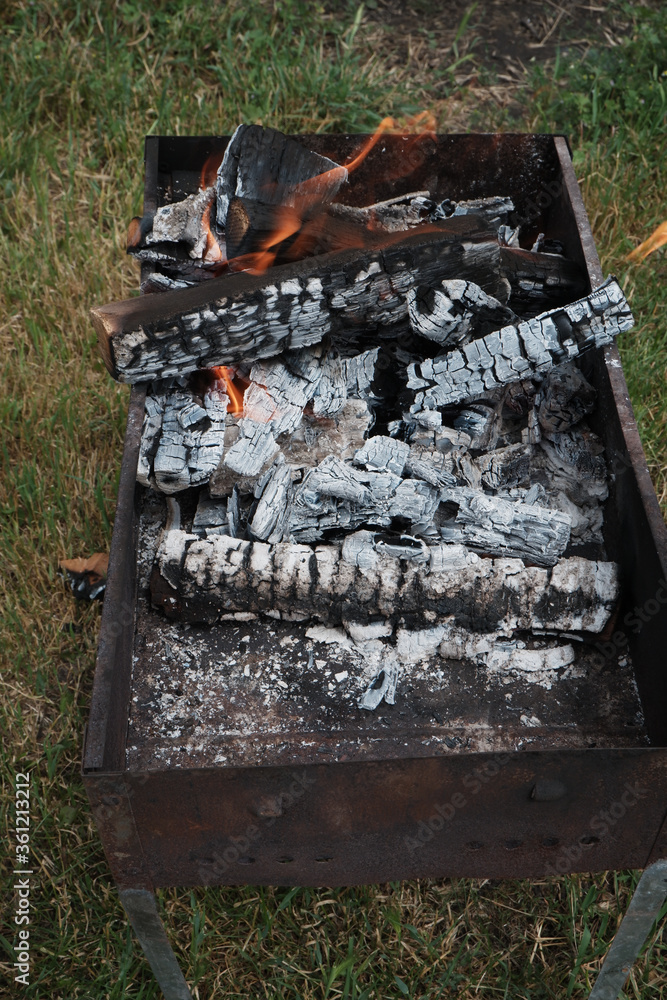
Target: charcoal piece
{"type": "Point", "coordinates": [564, 399]}
{"type": "Point", "coordinates": [495, 210]}
{"type": "Point", "coordinates": [392, 216]}
{"type": "Point", "coordinates": [184, 222]}
{"type": "Point", "coordinates": [383, 454]}
{"type": "Point", "coordinates": [274, 493]}
{"type": "Point", "coordinates": [182, 440]}
{"type": "Point", "coordinates": [498, 469]}
{"type": "Point", "coordinates": [481, 421]}
{"type": "Point", "coordinates": [241, 318]}
{"type": "Point", "coordinates": [540, 281]}
{"type": "Point", "coordinates": [254, 449]}
{"type": "Point", "coordinates": [533, 346]}
{"type": "Point", "coordinates": [574, 463]}
{"type": "Point", "coordinates": [199, 580]}
{"type": "Point", "coordinates": [382, 686]}
{"type": "Point", "coordinates": [455, 312]}
{"type": "Point", "coordinates": [433, 466]}
{"type": "Point", "coordinates": [503, 527]}
{"type": "Point", "coordinates": [359, 372]}
{"type": "Point", "coordinates": [268, 168]}
{"type": "Point", "coordinates": [335, 496]}
{"type": "Point", "coordinates": [211, 516]}
{"type": "Point", "coordinates": [331, 391]}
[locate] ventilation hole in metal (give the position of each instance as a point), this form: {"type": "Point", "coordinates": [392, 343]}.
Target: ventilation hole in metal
{"type": "Point", "coordinates": [550, 841]}
{"type": "Point", "coordinates": [512, 845]}
{"type": "Point", "coordinates": [589, 841]}
{"type": "Point", "coordinates": [246, 861]}
{"type": "Point", "coordinates": [322, 860]}
{"type": "Point", "coordinates": [285, 860]}
{"type": "Point", "coordinates": [474, 845]}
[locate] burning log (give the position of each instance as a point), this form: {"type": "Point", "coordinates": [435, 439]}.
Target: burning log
{"type": "Point", "coordinates": [531, 346]}
{"type": "Point", "coordinates": [244, 317]}
{"type": "Point", "coordinates": [203, 580]}
{"type": "Point", "coordinates": [498, 526]}
{"type": "Point", "coordinates": [185, 221]}
{"type": "Point", "coordinates": [495, 210]}
{"type": "Point", "coordinates": [265, 166]}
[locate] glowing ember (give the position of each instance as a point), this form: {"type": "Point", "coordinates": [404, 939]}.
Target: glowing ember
{"type": "Point", "coordinates": [655, 240]}
{"type": "Point", "coordinates": [227, 375]}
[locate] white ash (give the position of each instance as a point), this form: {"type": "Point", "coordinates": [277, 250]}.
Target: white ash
{"type": "Point", "coordinates": [183, 222]}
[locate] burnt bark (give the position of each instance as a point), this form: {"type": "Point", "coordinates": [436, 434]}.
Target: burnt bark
{"type": "Point", "coordinates": [243, 317]}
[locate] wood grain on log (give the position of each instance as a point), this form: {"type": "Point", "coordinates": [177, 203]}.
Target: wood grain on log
{"type": "Point", "coordinates": [513, 352]}
{"type": "Point", "coordinates": [242, 317]}
{"type": "Point", "coordinates": [200, 580]}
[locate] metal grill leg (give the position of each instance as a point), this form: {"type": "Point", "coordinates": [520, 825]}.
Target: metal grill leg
{"type": "Point", "coordinates": [141, 908]}
{"type": "Point", "coordinates": [644, 907]}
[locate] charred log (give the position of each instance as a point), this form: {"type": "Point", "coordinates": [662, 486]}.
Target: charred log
{"type": "Point", "coordinates": [513, 352]}
{"type": "Point", "coordinates": [244, 317]}
{"type": "Point", "coordinates": [199, 580]}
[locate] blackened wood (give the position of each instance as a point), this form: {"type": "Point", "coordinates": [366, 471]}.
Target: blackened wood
{"type": "Point", "coordinates": [267, 167]}
{"type": "Point", "coordinates": [199, 580]}
{"type": "Point", "coordinates": [565, 397]}
{"type": "Point", "coordinates": [242, 317]}
{"type": "Point", "coordinates": [513, 352]}
{"type": "Point", "coordinates": [540, 280]}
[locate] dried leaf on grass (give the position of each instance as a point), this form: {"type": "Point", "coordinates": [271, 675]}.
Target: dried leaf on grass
{"type": "Point", "coordinates": [87, 577]}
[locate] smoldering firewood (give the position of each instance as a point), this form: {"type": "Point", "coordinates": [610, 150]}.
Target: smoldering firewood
{"type": "Point", "coordinates": [157, 282]}
{"type": "Point", "coordinates": [495, 210]}
{"type": "Point", "coordinates": [498, 469]}
{"type": "Point", "coordinates": [182, 439]}
{"type": "Point", "coordinates": [430, 465]}
{"type": "Point", "coordinates": [564, 399]}
{"type": "Point", "coordinates": [455, 312]}
{"type": "Point", "coordinates": [334, 496]}
{"type": "Point", "coordinates": [309, 444]}
{"type": "Point", "coordinates": [331, 390]}
{"type": "Point", "coordinates": [383, 454]}
{"type": "Point", "coordinates": [503, 527]}
{"type": "Point", "coordinates": [574, 463]}
{"type": "Point", "coordinates": [497, 652]}
{"type": "Point", "coordinates": [391, 216]}
{"type": "Point", "coordinates": [511, 353]}
{"type": "Point", "coordinates": [243, 318]}
{"type": "Point", "coordinates": [481, 421]}
{"type": "Point", "coordinates": [211, 516]}
{"type": "Point", "coordinates": [540, 281]}
{"type": "Point", "coordinates": [266, 167]}
{"type": "Point", "coordinates": [184, 222]}
{"type": "Point", "coordinates": [253, 451]}
{"type": "Point", "coordinates": [199, 580]}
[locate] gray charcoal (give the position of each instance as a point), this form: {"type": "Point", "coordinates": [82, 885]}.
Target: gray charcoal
{"type": "Point", "coordinates": [564, 399]}
{"type": "Point", "coordinates": [504, 527]}
{"type": "Point", "coordinates": [455, 312]}
{"type": "Point", "coordinates": [513, 352]}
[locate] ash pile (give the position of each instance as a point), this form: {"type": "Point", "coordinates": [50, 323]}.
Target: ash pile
{"type": "Point", "coordinates": [369, 420]}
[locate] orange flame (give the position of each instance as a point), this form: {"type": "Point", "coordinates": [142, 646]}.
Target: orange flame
{"type": "Point", "coordinates": [311, 195]}
{"type": "Point", "coordinates": [226, 375]}
{"type": "Point", "coordinates": [213, 253]}
{"type": "Point", "coordinates": [655, 240]}
{"type": "Point", "coordinates": [209, 170]}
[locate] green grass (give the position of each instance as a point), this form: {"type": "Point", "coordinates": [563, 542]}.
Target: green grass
{"type": "Point", "coordinates": [81, 85]}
